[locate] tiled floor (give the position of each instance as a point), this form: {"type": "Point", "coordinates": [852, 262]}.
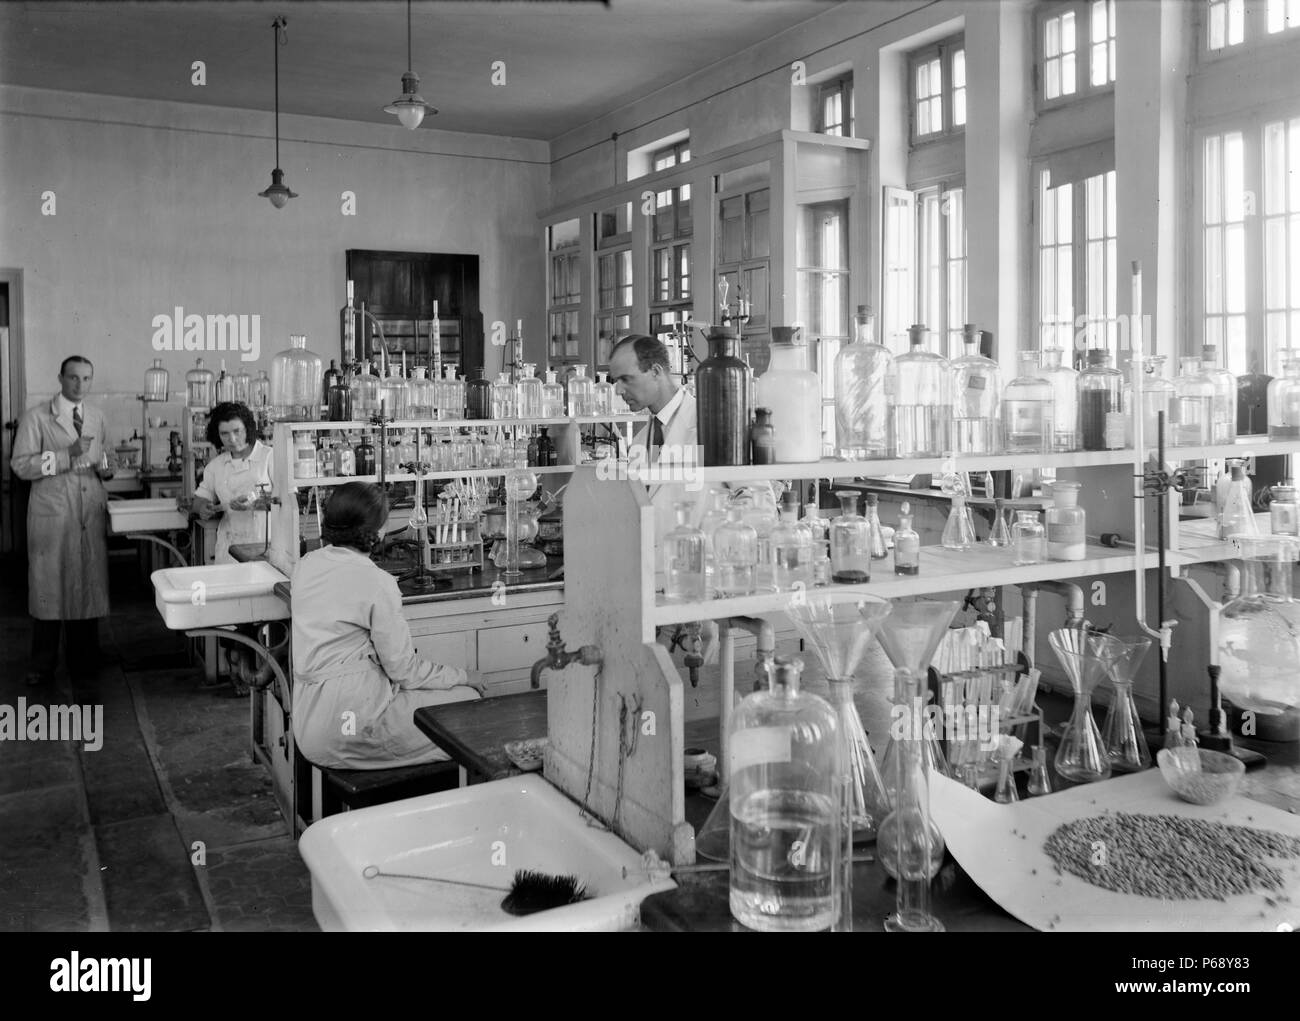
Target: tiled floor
{"type": "Point", "coordinates": [170, 826]}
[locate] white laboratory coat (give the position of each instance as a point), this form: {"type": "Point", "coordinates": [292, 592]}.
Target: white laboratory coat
{"type": "Point", "coordinates": [357, 679]}
{"type": "Point", "coordinates": [224, 480]}
{"type": "Point", "coordinates": [680, 433]}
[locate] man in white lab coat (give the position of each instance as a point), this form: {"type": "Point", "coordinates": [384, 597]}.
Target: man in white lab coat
{"type": "Point", "coordinates": [57, 449]}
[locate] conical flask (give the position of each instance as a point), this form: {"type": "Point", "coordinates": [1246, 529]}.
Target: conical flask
{"type": "Point", "coordinates": [1086, 657]}
{"type": "Point", "coordinates": [999, 534]}
{"type": "Point", "coordinates": [958, 533]}
{"type": "Point", "coordinates": [1122, 736]}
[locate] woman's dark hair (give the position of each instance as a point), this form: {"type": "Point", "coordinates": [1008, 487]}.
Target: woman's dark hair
{"type": "Point", "coordinates": [228, 412]}
{"type": "Point", "coordinates": [355, 515]}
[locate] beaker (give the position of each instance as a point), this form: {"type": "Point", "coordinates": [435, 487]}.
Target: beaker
{"type": "Point", "coordinates": [1086, 657]}
{"type": "Point", "coordinates": [1122, 735]}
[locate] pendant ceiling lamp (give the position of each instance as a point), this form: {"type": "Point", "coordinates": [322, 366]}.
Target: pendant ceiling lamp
{"type": "Point", "coordinates": [278, 193]}
{"type": "Point", "coordinates": [410, 106]}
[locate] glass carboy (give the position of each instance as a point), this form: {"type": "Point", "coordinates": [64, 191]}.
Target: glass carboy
{"type": "Point", "coordinates": [1224, 428]}
{"type": "Point", "coordinates": [863, 372]}
{"type": "Point", "coordinates": [922, 391]}
{"type": "Point", "coordinates": [1065, 399]}
{"type": "Point", "coordinates": [785, 774]}
{"type": "Point", "coordinates": [976, 398]}
{"type": "Point", "coordinates": [793, 393]}
{"type": "Point", "coordinates": [1284, 400]}
{"type": "Point", "coordinates": [155, 382]}
{"type": "Point", "coordinates": [1193, 414]}
{"type": "Point", "coordinates": [1028, 408]}
{"type": "Point", "coordinates": [723, 411]}
{"type": "Point", "coordinates": [296, 382]}
{"type": "Point", "coordinates": [850, 542]}
{"type": "Point", "coordinates": [199, 388]}
{"type": "Point", "coordinates": [1101, 405]}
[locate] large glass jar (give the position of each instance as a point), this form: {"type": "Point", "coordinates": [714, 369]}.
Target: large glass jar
{"type": "Point", "coordinates": [850, 542]}
{"type": "Point", "coordinates": [1101, 405]}
{"type": "Point", "coordinates": [1224, 429]}
{"type": "Point", "coordinates": [421, 399]}
{"type": "Point", "coordinates": [199, 388]}
{"type": "Point", "coordinates": [863, 373]}
{"type": "Point", "coordinates": [1065, 399]}
{"type": "Point", "coordinates": [976, 399]}
{"type": "Point", "coordinates": [792, 547]}
{"type": "Point", "coordinates": [392, 394]}
{"type": "Point", "coordinates": [530, 392]}
{"type": "Point", "coordinates": [603, 395]}
{"type": "Point", "coordinates": [365, 393]}
{"type": "Point", "coordinates": [735, 555]}
{"type": "Point", "coordinates": [1193, 407]}
{"type": "Point", "coordinates": [155, 382]}
{"type": "Point", "coordinates": [1027, 410]}
{"type": "Point", "coordinates": [1284, 400]}
{"type": "Point", "coordinates": [244, 387]}
{"type": "Point", "coordinates": [478, 398]}
{"type": "Point", "coordinates": [552, 397]}
{"type": "Point", "coordinates": [1066, 523]}
{"type": "Point", "coordinates": [296, 382]}
{"type": "Point", "coordinates": [581, 393]}
{"type": "Point", "coordinates": [722, 405]}
{"type": "Point", "coordinates": [684, 559]}
{"type": "Point", "coordinates": [922, 390]}
{"type": "Point", "coordinates": [1158, 397]}
{"type": "Point", "coordinates": [794, 395]}
{"type": "Point", "coordinates": [786, 840]}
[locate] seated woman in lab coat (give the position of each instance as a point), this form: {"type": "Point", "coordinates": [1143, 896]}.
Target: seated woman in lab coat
{"type": "Point", "coordinates": [357, 679]}
{"type": "Point", "coordinates": [234, 479]}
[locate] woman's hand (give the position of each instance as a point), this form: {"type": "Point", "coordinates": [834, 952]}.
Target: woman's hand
{"type": "Point", "coordinates": [204, 508]}
{"type": "Point", "coordinates": [474, 679]}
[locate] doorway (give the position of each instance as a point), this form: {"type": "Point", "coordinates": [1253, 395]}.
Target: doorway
{"type": "Point", "coordinates": [13, 399]}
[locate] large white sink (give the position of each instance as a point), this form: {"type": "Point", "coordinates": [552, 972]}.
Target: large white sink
{"type": "Point", "coordinates": [218, 594]}
{"type": "Point", "coordinates": [144, 516]}
{"type": "Point", "coordinates": [479, 834]}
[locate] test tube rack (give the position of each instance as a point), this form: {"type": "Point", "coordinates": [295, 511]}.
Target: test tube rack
{"type": "Point", "coordinates": [952, 685]}
{"type": "Point", "coordinates": [463, 551]}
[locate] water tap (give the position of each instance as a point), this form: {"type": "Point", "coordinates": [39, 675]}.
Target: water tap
{"type": "Point", "coordinates": [557, 657]}
{"type": "Point", "coordinates": [690, 639]}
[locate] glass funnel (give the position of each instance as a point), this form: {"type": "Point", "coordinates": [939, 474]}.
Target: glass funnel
{"type": "Point", "coordinates": [1125, 744]}
{"type": "Point", "coordinates": [1086, 657]}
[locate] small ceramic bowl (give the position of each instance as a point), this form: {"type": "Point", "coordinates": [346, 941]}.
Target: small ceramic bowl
{"type": "Point", "coordinates": [1218, 778]}
{"type": "Point", "coordinates": [528, 756]}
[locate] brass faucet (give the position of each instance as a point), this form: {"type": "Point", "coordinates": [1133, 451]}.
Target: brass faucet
{"type": "Point", "coordinates": [557, 657]}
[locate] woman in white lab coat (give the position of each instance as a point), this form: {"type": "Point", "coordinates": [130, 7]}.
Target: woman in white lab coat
{"type": "Point", "coordinates": [357, 679]}
{"type": "Point", "coordinates": [237, 482]}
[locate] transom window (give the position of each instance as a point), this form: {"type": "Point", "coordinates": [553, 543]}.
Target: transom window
{"type": "Point", "coordinates": [1228, 24]}
{"type": "Point", "coordinates": [835, 107]}
{"type": "Point", "coordinates": [672, 155]}
{"type": "Point", "coordinates": [1076, 50]}
{"type": "Point", "coordinates": [937, 89]}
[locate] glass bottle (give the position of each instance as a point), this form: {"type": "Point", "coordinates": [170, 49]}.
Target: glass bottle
{"type": "Point", "coordinates": [421, 397]}
{"type": "Point", "coordinates": [478, 398]}
{"type": "Point", "coordinates": [199, 386]}
{"type": "Point", "coordinates": [1028, 539]}
{"type": "Point", "coordinates": [364, 453]}
{"type": "Point", "coordinates": [345, 460]}
{"type": "Point", "coordinates": [529, 393]}
{"type": "Point", "coordinates": [923, 393]}
{"type": "Point", "coordinates": [326, 459]}
{"type": "Point", "coordinates": [296, 382]}
{"type": "Point", "coordinates": [155, 382]}
{"type": "Point", "coordinates": [581, 393]}
{"type": "Point", "coordinates": [365, 393]}
{"type": "Point", "coordinates": [850, 537]}
{"type": "Point", "coordinates": [552, 397]}
{"type": "Point", "coordinates": [244, 387]}
{"type": "Point", "coordinates": [792, 547]}
{"type": "Point", "coordinates": [684, 559]}
{"type": "Point", "coordinates": [1122, 735]}
{"type": "Point", "coordinates": [392, 394]}
{"type": "Point", "coordinates": [1028, 409]}
{"type": "Point", "coordinates": [1040, 782]}
{"type": "Point", "coordinates": [1064, 382]}
{"type": "Point", "coordinates": [907, 544]}
{"type": "Point", "coordinates": [722, 401]}
{"type": "Point", "coordinates": [532, 451]}
{"type": "Point", "coordinates": [863, 376]}
{"type": "Point", "coordinates": [224, 387]}
{"type": "Point", "coordinates": [330, 377]}
{"type": "Point", "coordinates": [503, 397]}
{"type": "Point", "coordinates": [759, 511]}
{"type": "Point", "coordinates": [762, 438]}
{"type": "Point", "coordinates": [1158, 395]}
{"type": "Point", "coordinates": [1224, 417]}
{"type": "Point", "coordinates": [1284, 400]}
{"type": "Point", "coordinates": [1259, 633]}
{"type": "Point", "coordinates": [1066, 523]}
{"type": "Point", "coordinates": [715, 513]}
{"type": "Point", "coordinates": [1283, 513]}
{"type": "Point", "coordinates": [603, 396]}
{"type": "Point", "coordinates": [1085, 655]}
{"type": "Point", "coordinates": [786, 838]}
{"type": "Point", "coordinates": [735, 555]}
{"type": "Point", "coordinates": [304, 456]}
{"type": "Point", "coordinates": [878, 549]}
{"type": "Point", "coordinates": [1101, 407]}
{"type": "Point", "coordinates": [957, 531]}
{"type": "Point", "coordinates": [1193, 414]}
{"type": "Point", "coordinates": [338, 399]}
{"type": "Point", "coordinates": [976, 398]}
{"type": "Point", "coordinates": [1238, 514]}
{"type": "Point", "coordinates": [999, 534]}
{"type": "Point", "coordinates": [260, 391]}
{"type": "Point", "coordinates": [794, 395]}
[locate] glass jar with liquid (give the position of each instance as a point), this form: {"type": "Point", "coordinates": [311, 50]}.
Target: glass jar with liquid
{"type": "Point", "coordinates": [684, 558]}
{"type": "Point", "coordinates": [850, 536]}
{"type": "Point", "coordinates": [976, 398]}
{"type": "Point", "coordinates": [922, 391]}
{"type": "Point", "coordinates": [1101, 405]}
{"type": "Point", "coordinates": [1066, 523]}
{"type": "Point", "coordinates": [735, 555]}
{"type": "Point", "coordinates": [1027, 410]}
{"type": "Point", "coordinates": [1283, 512]}
{"type": "Point", "coordinates": [1065, 400]}
{"type": "Point", "coordinates": [1028, 539]}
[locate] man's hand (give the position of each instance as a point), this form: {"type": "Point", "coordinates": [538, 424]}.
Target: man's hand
{"type": "Point", "coordinates": [203, 508]}
{"type": "Point", "coordinates": [474, 679]}
{"type": "Point", "coordinates": [80, 447]}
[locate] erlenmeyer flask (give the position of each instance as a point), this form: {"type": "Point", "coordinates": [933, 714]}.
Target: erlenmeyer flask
{"type": "Point", "coordinates": [958, 533]}
{"type": "Point", "coordinates": [999, 534]}
{"type": "Point", "coordinates": [1039, 782]}
{"type": "Point", "coordinates": [1122, 735]}
{"type": "Point", "coordinates": [1006, 794]}
{"type": "Point", "coordinates": [1086, 656]}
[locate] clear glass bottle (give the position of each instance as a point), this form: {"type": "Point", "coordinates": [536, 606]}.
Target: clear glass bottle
{"type": "Point", "coordinates": [503, 397]}
{"type": "Point", "coordinates": [338, 398]}
{"type": "Point", "coordinates": [155, 382]}
{"type": "Point", "coordinates": [821, 552]}
{"type": "Point", "coordinates": [1284, 399]}
{"type": "Point", "coordinates": [1101, 404]}
{"type": "Point", "coordinates": [552, 397]}
{"type": "Point", "coordinates": [304, 456]}
{"type": "Point", "coordinates": [907, 544]}
{"type": "Point", "coordinates": [1028, 539]}
{"type": "Point", "coordinates": [715, 513]}
{"type": "Point", "coordinates": [345, 460]}
{"type": "Point", "coordinates": [453, 396]}
{"type": "Point", "coordinates": [392, 393]}
{"type": "Point", "coordinates": [792, 547]}
{"type": "Point", "coordinates": [863, 377]}
{"type": "Point", "coordinates": [421, 395]}
{"type": "Point", "coordinates": [923, 400]}
{"type": "Point", "coordinates": [786, 837]}
{"type": "Point", "coordinates": [365, 394]}
{"type": "Point", "coordinates": [1238, 515]}
{"type": "Point", "coordinates": [603, 396]}
{"type": "Point", "coordinates": [735, 555]}
{"type": "Point", "coordinates": [225, 386]}
{"type": "Point", "coordinates": [1193, 414]}
{"type": "Point", "coordinates": [1259, 636]}
{"type": "Point", "coordinates": [976, 399]}
{"type": "Point", "coordinates": [1028, 408]}
{"type": "Point", "coordinates": [879, 551]}
{"type": "Point", "coordinates": [581, 393]}
{"type": "Point", "coordinates": [759, 511]}
{"type": "Point", "coordinates": [199, 388]}
{"type": "Point", "coordinates": [850, 537]}
{"type": "Point", "coordinates": [957, 531]}
{"type": "Point", "coordinates": [794, 395]}
{"type": "Point", "coordinates": [1066, 523]}
{"type": "Point", "coordinates": [684, 559]}
{"type": "Point", "coordinates": [1224, 417]}
{"type": "Point", "coordinates": [1064, 382]}
{"type": "Point", "coordinates": [244, 386]}
{"type": "Point", "coordinates": [296, 382]}
{"type": "Point", "coordinates": [260, 391]}
{"type": "Point", "coordinates": [1158, 395]}
{"type": "Point", "coordinates": [1283, 513]}
{"type": "Point", "coordinates": [722, 401]}
{"type": "Point", "coordinates": [529, 394]}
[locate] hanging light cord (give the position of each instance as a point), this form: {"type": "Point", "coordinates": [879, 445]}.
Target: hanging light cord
{"type": "Point", "coordinates": [408, 36]}
{"type": "Point", "coordinates": [278, 26]}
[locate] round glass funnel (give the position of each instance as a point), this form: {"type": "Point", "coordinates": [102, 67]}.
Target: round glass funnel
{"type": "Point", "coordinates": [1086, 657]}
{"type": "Point", "coordinates": [1126, 745]}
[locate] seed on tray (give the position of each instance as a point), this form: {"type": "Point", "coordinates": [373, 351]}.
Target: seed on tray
{"type": "Point", "coordinates": [1170, 857]}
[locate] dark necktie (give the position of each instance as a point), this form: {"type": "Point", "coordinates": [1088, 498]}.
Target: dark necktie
{"type": "Point", "coordinates": [656, 433]}
{"type": "Point", "coordinates": [76, 419]}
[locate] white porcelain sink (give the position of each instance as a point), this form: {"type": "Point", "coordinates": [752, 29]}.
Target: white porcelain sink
{"type": "Point", "coordinates": [144, 516]}
{"type": "Point", "coordinates": [479, 834]}
{"type": "Point", "coordinates": [218, 594]}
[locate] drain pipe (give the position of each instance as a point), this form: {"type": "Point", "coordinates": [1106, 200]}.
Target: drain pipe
{"type": "Point", "coordinates": [1071, 593]}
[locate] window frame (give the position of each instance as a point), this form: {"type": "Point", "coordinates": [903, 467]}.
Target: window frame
{"type": "Point", "coordinates": [824, 347]}
{"type": "Point", "coordinates": [1256, 37]}
{"type": "Point", "coordinates": [572, 305]}
{"type": "Point", "coordinates": [843, 84]}
{"type": "Point", "coordinates": [680, 151]}
{"type": "Point", "coordinates": [1083, 87]}
{"type": "Point", "coordinates": [944, 50]}
{"type": "Point", "coordinates": [948, 332]}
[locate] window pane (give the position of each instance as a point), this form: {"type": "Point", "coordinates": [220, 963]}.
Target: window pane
{"type": "Point", "coordinates": [1047, 230]}
{"type": "Point", "coordinates": [1294, 172]}
{"type": "Point", "coordinates": [1275, 175]}
{"type": "Point", "coordinates": [1295, 263]}
{"type": "Point", "coordinates": [1234, 267]}
{"type": "Point", "coordinates": [1275, 263]}
{"type": "Point", "coordinates": [1096, 207]}
{"type": "Point", "coordinates": [1236, 345]}
{"type": "Point", "coordinates": [936, 113]}
{"type": "Point", "coordinates": [1064, 213]}
{"type": "Point", "coordinates": [1099, 65]}
{"type": "Point", "coordinates": [1213, 180]}
{"type": "Point", "coordinates": [1218, 16]}
{"type": "Point", "coordinates": [1052, 37]}
{"type": "Point", "coordinates": [1099, 21]}
{"type": "Point", "coordinates": [1052, 78]}
{"type": "Point", "coordinates": [1234, 188]}
{"type": "Point", "coordinates": [954, 205]}
{"type": "Point", "coordinates": [959, 69]}
{"type": "Point", "coordinates": [1214, 269]}
{"type": "Point", "coordinates": [1067, 32]}
{"type": "Point", "coordinates": [959, 107]}
{"type": "Point", "coordinates": [1236, 21]}
{"type": "Point", "coordinates": [1067, 74]}
{"type": "Point", "coordinates": [1112, 220]}
{"type": "Point", "coordinates": [1276, 15]}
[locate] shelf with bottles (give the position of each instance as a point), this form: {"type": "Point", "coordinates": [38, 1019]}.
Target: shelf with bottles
{"type": "Point", "coordinates": [460, 423]}
{"type": "Point", "coordinates": [1199, 542]}
{"type": "Point", "coordinates": [439, 476]}
{"type": "Point", "coordinates": [1243, 446]}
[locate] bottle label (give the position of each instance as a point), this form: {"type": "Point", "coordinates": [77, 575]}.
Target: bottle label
{"type": "Point", "coordinates": [757, 747]}
{"type": "Point", "coordinates": [976, 383]}
{"type": "Point", "coordinates": [1067, 534]}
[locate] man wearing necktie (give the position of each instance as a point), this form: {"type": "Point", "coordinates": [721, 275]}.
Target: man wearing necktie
{"type": "Point", "coordinates": [57, 449]}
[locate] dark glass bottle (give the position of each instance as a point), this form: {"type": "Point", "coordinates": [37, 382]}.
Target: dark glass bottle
{"type": "Point", "coordinates": [365, 456]}
{"type": "Point", "coordinates": [547, 455]}
{"type": "Point", "coordinates": [534, 453]}
{"type": "Point", "coordinates": [762, 438]}
{"type": "Point", "coordinates": [330, 378]}
{"type": "Point", "coordinates": [478, 398]}
{"type": "Point", "coordinates": [722, 385]}
{"type": "Point", "coordinates": [338, 396]}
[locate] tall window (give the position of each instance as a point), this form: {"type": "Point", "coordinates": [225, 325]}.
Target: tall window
{"type": "Point", "coordinates": [565, 292]}
{"type": "Point", "coordinates": [1282, 236]}
{"type": "Point", "coordinates": [1227, 25]}
{"type": "Point", "coordinates": [1283, 15]}
{"type": "Point", "coordinates": [614, 278]}
{"type": "Point", "coordinates": [835, 107]}
{"type": "Point", "coordinates": [743, 259]}
{"type": "Point", "coordinates": [822, 302]}
{"type": "Point", "coordinates": [1226, 22]}
{"type": "Point", "coordinates": [1076, 50]}
{"type": "Point", "coordinates": [941, 264]}
{"type": "Point", "coordinates": [670, 257]}
{"type": "Point", "coordinates": [1224, 239]}
{"type": "Point", "coordinates": [937, 90]}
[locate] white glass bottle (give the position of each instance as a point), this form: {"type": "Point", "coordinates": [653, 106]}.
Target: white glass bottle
{"type": "Point", "coordinates": [1066, 523]}
{"type": "Point", "coordinates": [552, 397]}
{"type": "Point", "coordinates": [735, 555]}
{"type": "Point", "coordinates": [793, 394]}
{"type": "Point", "coordinates": [1065, 400]}
{"type": "Point", "coordinates": [976, 398]}
{"type": "Point", "coordinates": [863, 375]}
{"type": "Point", "coordinates": [529, 393]}
{"type": "Point", "coordinates": [581, 393]}
{"type": "Point", "coordinates": [1028, 408]}
{"type": "Point", "coordinates": [684, 559]}
{"type": "Point", "coordinates": [1224, 427]}
{"type": "Point", "coordinates": [923, 400]}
